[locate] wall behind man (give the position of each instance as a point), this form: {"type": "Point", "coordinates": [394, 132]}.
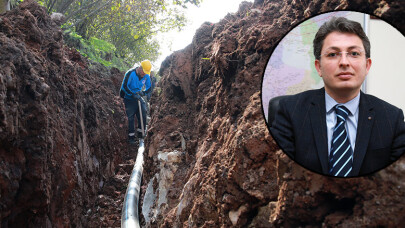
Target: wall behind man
{"type": "Point", "coordinates": [386, 78]}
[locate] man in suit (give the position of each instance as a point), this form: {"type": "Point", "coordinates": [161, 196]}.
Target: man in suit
{"type": "Point", "coordinates": [338, 130]}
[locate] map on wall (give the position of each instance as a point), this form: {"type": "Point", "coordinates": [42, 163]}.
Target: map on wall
{"type": "Point", "coordinates": [291, 67]}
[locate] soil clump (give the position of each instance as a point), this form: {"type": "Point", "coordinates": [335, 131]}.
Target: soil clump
{"type": "Point", "coordinates": [211, 161]}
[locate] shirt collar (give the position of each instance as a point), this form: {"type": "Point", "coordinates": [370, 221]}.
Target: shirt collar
{"type": "Point", "coordinates": [352, 105]}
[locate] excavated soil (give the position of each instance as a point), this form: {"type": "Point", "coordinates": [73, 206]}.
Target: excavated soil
{"type": "Point", "coordinates": [210, 159]}
{"type": "Point", "coordinates": [62, 128]}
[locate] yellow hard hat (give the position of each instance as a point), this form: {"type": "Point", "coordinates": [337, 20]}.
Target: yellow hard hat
{"type": "Point", "coordinates": [146, 66]}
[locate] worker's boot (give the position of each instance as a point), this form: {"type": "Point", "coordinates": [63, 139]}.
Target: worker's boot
{"type": "Point", "coordinates": [139, 134]}
{"type": "Point", "coordinates": [131, 139]}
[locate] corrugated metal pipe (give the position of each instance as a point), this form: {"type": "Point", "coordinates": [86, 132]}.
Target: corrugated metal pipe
{"type": "Point", "coordinates": [129, 216]}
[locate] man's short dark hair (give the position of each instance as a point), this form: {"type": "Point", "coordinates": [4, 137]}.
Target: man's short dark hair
{"type": "Point", "coordinates": [343, 25]}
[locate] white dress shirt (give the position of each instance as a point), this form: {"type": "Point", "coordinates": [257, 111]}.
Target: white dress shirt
{"type": "Point", "coordinates": [351, 121]}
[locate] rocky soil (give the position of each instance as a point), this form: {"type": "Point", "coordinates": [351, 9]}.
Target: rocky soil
{"type": "Point", "coordinates": [62, 128]}
{"type": "Point", "coordinates": [210, 159]}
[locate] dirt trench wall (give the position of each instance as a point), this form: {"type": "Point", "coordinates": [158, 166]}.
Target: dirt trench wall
{"type": "Point", "coordinates": [210, 159]}
{"type": "Point", "coordinates": [61, 124]}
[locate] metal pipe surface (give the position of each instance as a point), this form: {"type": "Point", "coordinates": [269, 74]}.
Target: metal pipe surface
{"type": "Point", "coordinates": [140, 114]}
{"type": "Point", "coordinates": [129, 215]}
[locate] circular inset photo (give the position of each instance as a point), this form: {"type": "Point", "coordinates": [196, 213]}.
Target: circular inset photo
{"type": "Point", "coordinates": [332, 94]}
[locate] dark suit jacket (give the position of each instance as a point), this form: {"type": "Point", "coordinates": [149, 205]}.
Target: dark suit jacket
{"type": "Point", "coordinates": [299, 128]}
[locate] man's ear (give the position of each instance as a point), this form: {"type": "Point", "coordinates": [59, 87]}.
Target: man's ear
{"type": "Point", "coordinates": [318, 67]}
{"type": "Point", "coordinates": [368, 65]}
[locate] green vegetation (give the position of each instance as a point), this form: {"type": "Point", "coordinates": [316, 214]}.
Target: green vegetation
{"type": "Point", "coordinates": [129, 25]}
{"type": "Point", "coordinates": [97, 50]}
{"type": "Point", "coordinates": [117, 32]}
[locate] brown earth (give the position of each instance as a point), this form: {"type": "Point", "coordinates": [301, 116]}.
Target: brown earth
{"type": "Point", "coordinates": [210, 159]}
{"type": "Point", "coordinates": [62, 126]}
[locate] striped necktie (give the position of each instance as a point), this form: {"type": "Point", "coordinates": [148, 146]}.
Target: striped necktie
{"type": "Point", "coordinates": [340, 157]}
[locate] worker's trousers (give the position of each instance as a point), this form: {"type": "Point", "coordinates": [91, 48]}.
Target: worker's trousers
{"type": "Point", "coordinates": [132, 109]}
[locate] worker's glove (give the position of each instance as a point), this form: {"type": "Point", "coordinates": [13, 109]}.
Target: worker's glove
{"type": "Point", "coordinates": [141, 93]}
{"type": "Point", "coordinates": [136, 96]}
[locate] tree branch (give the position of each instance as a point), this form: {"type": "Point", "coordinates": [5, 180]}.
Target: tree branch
{"type": "Point", "coordinates": [63, 8]}
{"type": "Point", "coordinates": [79, 10]}
{"type": "Point", "coordinates": [51, 3]}
{"type": "Point", "coordinates": [90, 14]}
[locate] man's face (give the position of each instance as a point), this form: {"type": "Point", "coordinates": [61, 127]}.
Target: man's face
{"type": "Point", "coordinates": [342, 75]}
{"type": "Point", "coordinates": [140, 72]}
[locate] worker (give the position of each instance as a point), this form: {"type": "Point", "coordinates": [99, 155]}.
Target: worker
{"type": "Point", "coordinates": [131, 88]}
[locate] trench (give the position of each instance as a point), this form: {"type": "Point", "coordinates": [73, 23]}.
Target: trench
{"type": "Point", "coordinates": [130, 212]}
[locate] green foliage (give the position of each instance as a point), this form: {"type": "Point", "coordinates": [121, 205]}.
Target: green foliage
{"type": "Point", "coordinates": [101, 45]}
{"type": "Point", "coordinates": [130, 25]}
{"type": "Point", "coordinates": [97, 50]}
{"type": "Point", "coordinates": [133, 24]}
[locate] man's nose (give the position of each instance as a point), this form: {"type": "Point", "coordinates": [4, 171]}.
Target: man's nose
{"type": "Point", "coordinates": [344, 60]}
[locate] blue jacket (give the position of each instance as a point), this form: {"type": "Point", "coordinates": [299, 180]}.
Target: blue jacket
{"type": "Point", "coordinates": [132, 84]}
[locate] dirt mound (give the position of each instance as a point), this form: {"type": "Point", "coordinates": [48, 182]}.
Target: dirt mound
{"type": "Point", "coordinates": [211, 161]}
{"type": "Point", "coordinates": [62, 126]}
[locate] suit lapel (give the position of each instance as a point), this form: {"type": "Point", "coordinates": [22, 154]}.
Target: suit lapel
{"type": "Point", "coordinates": [318, 123]}
{"type": "Point", "coordinates": [364, 125]}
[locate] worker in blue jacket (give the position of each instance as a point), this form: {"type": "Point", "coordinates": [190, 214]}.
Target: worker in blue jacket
{"type": "Point", "coordinates": [132, 84]}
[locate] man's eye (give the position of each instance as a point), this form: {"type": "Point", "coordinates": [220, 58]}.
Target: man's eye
{"type": "Point", "coordinates": [332, 54]}
{"type": "Point", "coordinates": [354, 53]}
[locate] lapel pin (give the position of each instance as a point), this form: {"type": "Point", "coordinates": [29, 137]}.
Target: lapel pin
{"type": "Point", "coordinates": [369, 117]}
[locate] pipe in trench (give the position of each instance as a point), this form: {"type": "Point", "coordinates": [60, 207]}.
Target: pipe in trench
{"type": "Point", "coordinates": [129, 215]}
